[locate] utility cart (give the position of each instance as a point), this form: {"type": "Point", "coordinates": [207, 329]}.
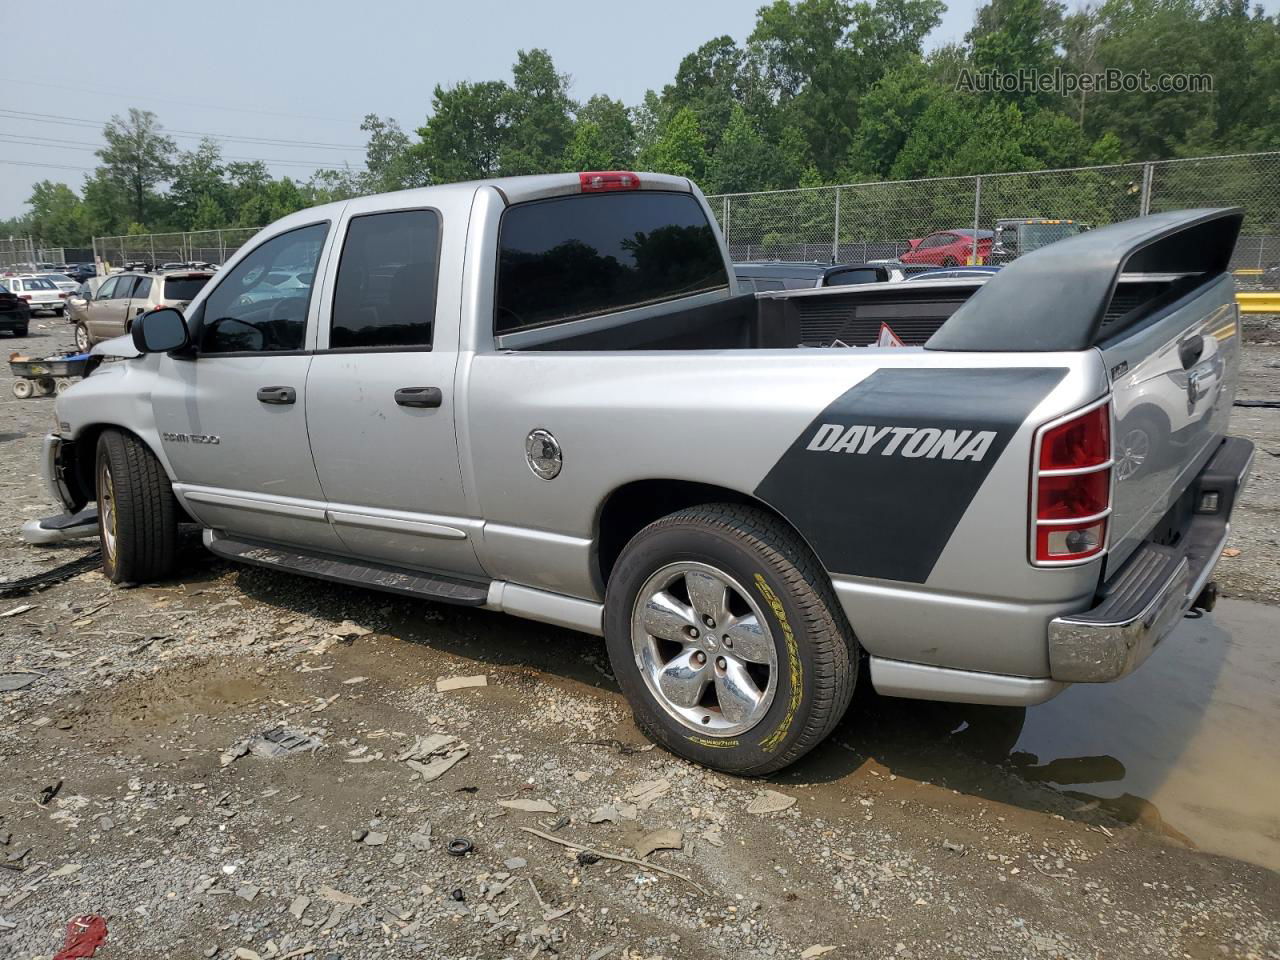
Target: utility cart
{"type": "Point", "coordinates": [41, 376]}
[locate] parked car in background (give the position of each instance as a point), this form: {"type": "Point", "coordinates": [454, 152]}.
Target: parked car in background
{"type": "Point", "coordinates": [15, 313]}
{"type": "Point", "coordinates": [949, 248]}
{"type": "Point", "coordinates": [78, 299]}
{"type": "Point", "coordinates": [769, 275]}
{"type": "Point", "coordinates": [39, 292]}
{"type": "Point", "coordinates": [124, 296]}
{"type": "Point", "coordinates": [61, 281]}
{"type": "Point", "coordinates": [955, 273]}
{"type": "Point", "coordinates": [80, 272]}
{"type": "Point", "coordinates": [1015, 236]}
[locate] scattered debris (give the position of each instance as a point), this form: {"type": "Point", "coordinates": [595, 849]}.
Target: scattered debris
{"type": "Point", "coordinates": [816, 950]}
{"type": "Point", "coordinates": [248, 891]}
{"type": "Point", "coordinates": [460, 846]}
{"type": "Point", "coordinates": [84, 935]}
{"type": "Point", "coordinates": [445, 684]}
{"type": "Point", "coordinates": [66, 870]}
{"type": "Point", "coordinates": [298, 906]}
{"type": "Point", "coordinates": [586, 858]}
{"type": "Point", "coordinates": [515, 863]}
{"type": "Point", "coordinates": [349, 629]}
{"type": "Point", "coordinates": [529, 806]}
{"type": "Point", "coordinates": [352, 681]}
{"type": "Point", "coordinates": [9, 682]}
{"type": "Point", "coordinates": [1231, 552]}
{"type": "Point", "coordinates": [281, 741]}
{"type": "Point", "coordinates": [645, 793]}
{"type": "Point", "coordinates": [440, 751]}
{"type": "Point", "coordinates": [953, 847]}
{"type": "Point", "coordinates": [771, 801]}
{"type": "Point", "coordinates": [338, 897]}
{"type": "Point", "coordinates": [623, 748]}
{"type": "Point", "coordinates": [21, 608]}
{"type": "Point", "coordinates": [620, 859]}
{"type": "Point", "coordinates": [658, 840]}
{"type": "Point", "coordinates": [49, 792]}
{"type": "Point", "coordinates": [373, 839]}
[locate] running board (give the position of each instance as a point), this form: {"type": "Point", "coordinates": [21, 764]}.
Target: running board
{"type": "Point", "coordinates": [375, 576]}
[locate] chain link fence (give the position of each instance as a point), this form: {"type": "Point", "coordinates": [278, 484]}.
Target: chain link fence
{"type": "Point", "coordinates": [879, 221]}
{"type": "Point", "coordinates": [153, 250]}
{"type": "Point", "coordinates": [17, 253]}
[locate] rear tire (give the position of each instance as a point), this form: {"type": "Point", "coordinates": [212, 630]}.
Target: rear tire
{"type": "Point", "coordinates": [22, 389]}
{"type": "Point", "coordinates": [794, 660]}
{"type": "Point", "coordinates": [137, 513]}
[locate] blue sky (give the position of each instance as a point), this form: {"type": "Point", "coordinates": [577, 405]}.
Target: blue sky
{"type": "Point", "coordinates": [288, 70]}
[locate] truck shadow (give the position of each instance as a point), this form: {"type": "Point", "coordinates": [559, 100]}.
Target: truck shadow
{"type": "Point", "coordinates": [1028, 758]}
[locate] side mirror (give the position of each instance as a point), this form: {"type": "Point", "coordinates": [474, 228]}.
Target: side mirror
{"type": "Point", "coordinates": [160, 331]}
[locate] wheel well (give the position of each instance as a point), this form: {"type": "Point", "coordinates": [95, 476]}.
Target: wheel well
{"type": "Point", "coordinates": [634, 506]}
{"type": "Point", "coordinates": [80, 468]}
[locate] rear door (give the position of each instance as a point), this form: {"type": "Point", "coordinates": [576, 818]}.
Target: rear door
{"type": "Point", "coordinates": [380, 398]}
{"type": "Point", "coordinates": [139, 300]}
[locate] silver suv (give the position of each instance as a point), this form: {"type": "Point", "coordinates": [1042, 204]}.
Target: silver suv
{"type": "Point", "coordinates": [111, 309]}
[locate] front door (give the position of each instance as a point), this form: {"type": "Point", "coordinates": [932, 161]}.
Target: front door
{"type": "Point", "coordinates": [380, 409]}
{"type": "Point", "coordinates": [232, 419]}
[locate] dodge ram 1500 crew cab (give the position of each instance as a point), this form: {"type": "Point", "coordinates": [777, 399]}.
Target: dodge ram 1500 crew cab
{"type": "Point", "coordinates": [545, 396]}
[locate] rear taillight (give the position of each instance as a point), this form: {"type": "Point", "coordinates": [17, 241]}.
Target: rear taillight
{"type": "Point", "coordinates": [1071, 487]}
{"type": "Point", "coordinates": [598, 181]}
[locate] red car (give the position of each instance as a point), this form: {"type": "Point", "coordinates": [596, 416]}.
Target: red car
{"type": "Point", "coordinates": [949, 248]}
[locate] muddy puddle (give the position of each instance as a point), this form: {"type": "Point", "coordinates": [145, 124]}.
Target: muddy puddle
{"type": "Point", "coordinates": [1189, 745]}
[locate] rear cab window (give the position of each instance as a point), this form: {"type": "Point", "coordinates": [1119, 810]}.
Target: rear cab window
{"type": "Point", "coordinates": [574, 257]}
{"type": "Point", "coordinates": [184, 287]}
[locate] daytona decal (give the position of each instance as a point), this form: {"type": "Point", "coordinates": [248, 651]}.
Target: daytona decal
{"type": "Point", "coordinates": [878, 481]}
{"type": "Point", "coordinates": [905, 441]}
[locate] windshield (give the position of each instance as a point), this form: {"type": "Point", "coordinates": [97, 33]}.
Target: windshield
{"type": "Point", "coordinates": [1033, 236]}
{"type": "Point", "coordinates": [59, 278]}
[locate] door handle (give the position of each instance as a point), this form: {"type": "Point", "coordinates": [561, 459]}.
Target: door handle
{"type": "Point", "coordinates": [1190, 350]}
{"type": "Point", "coordinates": [277, 394]}
{"type": "Point", "coordinates": [419, 397]}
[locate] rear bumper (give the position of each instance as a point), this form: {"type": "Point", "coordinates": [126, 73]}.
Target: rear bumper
{"type": "Point", "coordinates": [1140, 605]}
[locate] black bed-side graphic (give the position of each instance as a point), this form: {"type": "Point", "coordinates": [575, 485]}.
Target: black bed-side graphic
{"type": "Point", "coordinates": [879, 480]}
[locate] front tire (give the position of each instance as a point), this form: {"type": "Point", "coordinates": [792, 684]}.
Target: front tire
{"type": "Point", "coordinates": [137, 513]}
{"type": "Point", "coordinates": [727, 640]}
{"type": "Point", "coordinates": [83, 340]}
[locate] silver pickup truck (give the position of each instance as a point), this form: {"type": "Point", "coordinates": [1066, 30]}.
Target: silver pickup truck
{"type": "Point", "coordinates": [545, 396]}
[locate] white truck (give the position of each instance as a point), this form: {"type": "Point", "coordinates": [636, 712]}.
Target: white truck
{"type": "Point", "coordinates": [546, 396]}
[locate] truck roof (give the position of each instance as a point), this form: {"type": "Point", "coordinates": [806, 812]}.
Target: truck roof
{"type": "Point", "coordinates": [512, 189]}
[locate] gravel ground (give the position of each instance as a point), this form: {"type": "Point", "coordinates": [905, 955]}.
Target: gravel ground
{"type": "Point", "coordinates": [177, 826]}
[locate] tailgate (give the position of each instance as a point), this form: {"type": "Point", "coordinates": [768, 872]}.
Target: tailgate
{"type": "Point", "coordinates": [1153, 296]}
{"type": "Point", "coordinates": [1173, 382]}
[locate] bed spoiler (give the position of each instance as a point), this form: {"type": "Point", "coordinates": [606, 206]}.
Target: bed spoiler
{"type": "Point", "coordinates": [1055, 298]}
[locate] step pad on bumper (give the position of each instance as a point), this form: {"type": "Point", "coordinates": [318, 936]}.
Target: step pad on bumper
{"type": "Point", "coordinates": [375, 576]}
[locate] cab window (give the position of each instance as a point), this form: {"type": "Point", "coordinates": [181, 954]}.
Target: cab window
{"type": "Point", "coordinates": [247, 313]}
{"type": "Point", "coordinates": [386, 290]}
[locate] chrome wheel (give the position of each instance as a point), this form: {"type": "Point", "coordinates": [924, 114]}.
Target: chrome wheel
{"type": "Point", "coordinates": [704, 649]}
{"type": "Point", "coordinates": [82, 339]}
{"type": "Point", "coordinates": [107, 509]}
{"type": "Point", "coordinates": [1135, 447]}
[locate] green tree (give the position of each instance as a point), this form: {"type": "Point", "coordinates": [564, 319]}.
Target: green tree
{"type": "Point", "coordinates": [466, 132]}
{"type": "Point", "coordinates": [679, 148]}
{"type": "Point", "coordinates": [744, 161]}
{"type": "Point", "coordinates": [390, 163]}
{"type": "Point", "coordinates": [587, 149]}
{"type": "Point", "coordinates": [617, 132]}
{"type": "Point", "coordinates": [539, 125]}
{"type": "Point", "coordinates": [198, 181]}
{"type": "Point", "coordinates": [57, 215]}
{"type": "Point", "coordinates": [137, 156]}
